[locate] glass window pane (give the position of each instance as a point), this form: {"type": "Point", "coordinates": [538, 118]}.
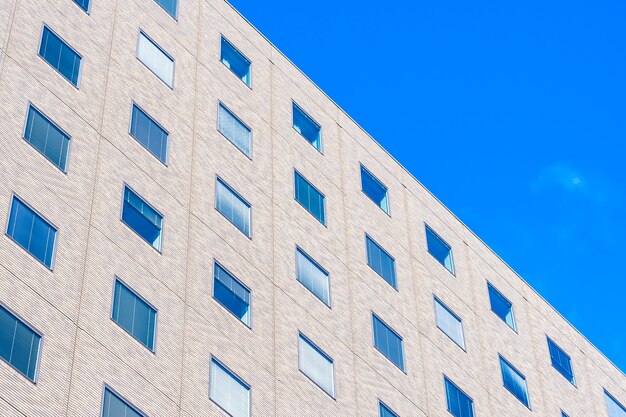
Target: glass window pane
{"type": "Point", "coordinates": [149, 133]}
{"type": "Point", "coordinates": [228, 391]}
{"type": "Point", "coordinates": [19, 344]}
{"type": "Point", "coordinates": [385, 411]}
{"type": "Point", "coordinates": [439, 249]}
{"type": "Point", "coordinates": [561, 361]}
{"type": "Point", "coordinates": [84, 4]}
{"type": "Point", "coordinates": [134, 315]}
{"type": "Point", "coordinates": [169, 6]}
{"type": "Point", "coordinates": [380, 261]}
{"type": "Point", "coordinates": [374, 189]}
{"type": "Point", "coordinates": [316, 365]}
{"type": "Point", "coordinates": [141, 218]}
{"type": "Point", "coordinates": [60, 56]}
{"type": "Point", "coordinates": [311, 199]}
{"type": "Point", "coordinates": [307, 127]}
{"type": "Point", "coordinates": [233, 207]}
{"type": "Point", "coordinates": [231, 293]}
{"type": "Point", "coordinates": [31, 232]}
{"type": "Point", "coordinates": [459, 404]}
{"type": "Point", "coordinates": [501, 306]}
{"type": "Point", "coordinates": [616, 409]}
{"type": "Point", "coordinates": [234, 130]}
{"type": "Point", "coordinates": [515, 382]}
{"type": "Point", "coordinates": [449, 323]}
{"type": "Point", "coordinates": [115, 406]}
{"type": "Point", "coordinates": [155, 59]}
{"type": "Point", "coordinates": [312, 276]}
{"type": "Point", "coordinates": [388, 342]}
{"type": "Point", "coordinates": [235, 61]}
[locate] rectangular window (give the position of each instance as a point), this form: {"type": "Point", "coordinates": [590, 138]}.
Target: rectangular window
{"type": "Point", "coordinates": [385, 411]}
{"type": "Point", "coordinates": [155, 58]}
{"type": "Point", "coordinates": [142, 218]}
{"type": "Point", "coordinates": [317, 365]}
{"type": "Point", "coordinates": [374, 189]}
{"type": "Point", "coordinates": [229, 391]}
{"type": "Point", "coordinates": [19, 344]}
{"type": "Point", "coordinates": [47, 138]}
{"type": "Point", "coordinates": [388, 342]}
{"type": "Point", "coordinates": [515, 382]}
{"type": "Point", "coordinates": [235, 61]}
{"type": "Point", "coordinates": [561, 361]}
{"type": "Point", "coordinates": [564, 414]}
{"type": "Point", "coordinates": [312, 276]}
{"type": "Point", "coordinates": [449, 323]}
{"type": "Point", "coordinates": [32, 232]}
{"type": "Point", "coordinates": [170, 6]}
{"type": "Point", "coordinates": [149, 133]}
{"type": "Point", "coordinates": [615, 408]}
{"type": "Point", "coordinates": [56, 52]}
{"type": "Point", "coordinates": [439, 249]}
{"type": "Point", "coordinates": [309, 197]}
{"type": "Point", "coordinates": [232, 206]}
{"type": "Point", "coordinates": [380, 261]}
{"type": "Point", "coordinates": [231, 293]}
{"type": "Point", "coordinates": [459, 404]}
{"type": "Point", "coordinates": [307, 127]}
{"type": "Point", "coordinates": [83, 4]}
{"type": "Point", "coordinates": [134, 315]}
{"type": "Point", "coordinates": [234, 130]}
{"type": "Point", "coordinates": [501, 306]}
{"type": "Point", "coordinates": [115, 406]}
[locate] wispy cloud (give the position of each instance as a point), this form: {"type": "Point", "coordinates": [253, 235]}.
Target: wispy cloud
{"type": "Point", "coordinates": [562, 178]}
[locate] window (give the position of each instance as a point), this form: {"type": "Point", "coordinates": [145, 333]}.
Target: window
{"type": "Point", "coordinates": [60, 56]}
{"type": "Point", "coordinates": [385, 411]}
{"type": "Point", "coordinates": [439, 249]}
{"type": "Point", "coordinates": [229, 391]}
{"type": "Point", "coordinates": [388, 342]}
{"type": "Point", "coordinates": [561, 361]}
{"type": "Point", "coordinates": [149, 133]}
{"type": "Point", "coordinates": [563, 414]}
{"type": "Point", "coordinates": [19, 344]}
{"type": "Point", "coordinates": [234, 130]}
{"type": "Point", "coordinates": [514, 381]}
{"type": "Point", "coordinates": [449, 323]}
{"type": "Point", "coordinates": [312, 276]}
{"type": "Point", "coordinates": [134, 315]}
{"type": "Point", "coordinates": [235, 61]}
{"type": "Point", "coordinates": [169, 6]}
{"type": "Point", "coordinates": [115, 406]}
{"type": "Point", "coordinates": [501, 306]}
{"type": "Point", "coordinates": [83, 4]}
{"type": "Point", "coordinates": [232, 206]}
{"type": "Point", "coordinates": [142, 218]}
{"type": "Point", "coordinates": [316, 365]}
{"type": "Point", "coordinates": [32, 232]}
{"type": "Point", "coordinates": [308, 196]}
{"type": "Point", "coordinates": [380, 261]}
{"type": "Point", "coordinates": [374, 189]}
{"type": "Point", "coordinates": [459, 404]}
{"type": "Point", "coordinates": [231, 293]}
{"type": "Point", "coordinates": [157, 61]}
{"type": "Point", "coordinates": [307, 127]}
{"type": "Point", "coordinates": [615, 408]}
{"type": "Point", "coordinates": [47, 138]}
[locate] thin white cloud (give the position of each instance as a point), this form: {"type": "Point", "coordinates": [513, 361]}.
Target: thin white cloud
{"type": "Point", "coordinates": [560, 177]}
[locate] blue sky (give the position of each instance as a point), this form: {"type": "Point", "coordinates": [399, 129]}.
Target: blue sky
{"type": "Point", "coordinates": [512, 113]}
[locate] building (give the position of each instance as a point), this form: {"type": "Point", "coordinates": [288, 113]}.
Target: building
{"type": "Point", "coordinates": [194, 229]}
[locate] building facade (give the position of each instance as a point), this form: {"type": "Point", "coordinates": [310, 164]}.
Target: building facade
{"type": "Point", "coordinates": [192, 228]}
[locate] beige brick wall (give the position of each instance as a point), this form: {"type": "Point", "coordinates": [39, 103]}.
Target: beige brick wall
{"type": "Point", "coordinates": [83, 349]}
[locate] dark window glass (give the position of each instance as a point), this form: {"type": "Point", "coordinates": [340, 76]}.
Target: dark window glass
{"type": "Point", "coordinates": [233, 207]}
{"type": "Point", "coordinates": [169, 6]}
{"type": "Point", "coordinates": [459, 404]}
{"type": "Point", "coordinates": [149, 133]}
{"type": "Point", "coordinates": [515, 382]}
{"type": "Point", "coordinates": [60, 56]}
{"type": "Point", "coordinates": [501, 306]}
{"type": "Point", "coordinates": [235, 61]}
{"type": "Point", "coordinates": [388, 342]}
{"type": "Point", "coordinates": [47, 138]}
{"type": "Point", "coordinates": [134, 315]}
{"type": "Point", "coordinates": [561, 361]}
{"type": "Point", "coordinates": [309, 198]}
{"type": "Point", "coordinates": [231, 293]}
{"type": "Point", "coordinates": [32, 232]}
{"type": "Point", "coordinates": [115, 406]}
{"type": "Point", "coordinates": [385, 411]}
{"type": "Point", "coordinates": [19, 344]}
{"type": "Point", "coordinates": [380, 261]}
{"type": "Point", "coordinates": [83, 4]}
{"type": "Point", "coordinates": [374, 189]}
{"type": "Point", "coordinates": [142, 218]}
{"type": "Point", "coordinates": [307, 127]}
{"type": "Point", "coordinates": [439, 249]}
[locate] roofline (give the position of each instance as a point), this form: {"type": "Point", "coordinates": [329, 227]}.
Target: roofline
{"type": "Point", "coordinates": [422, 185]}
